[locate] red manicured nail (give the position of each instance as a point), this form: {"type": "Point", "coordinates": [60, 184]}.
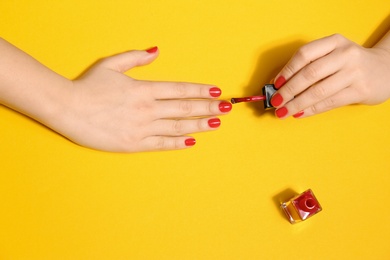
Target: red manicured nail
{"type": "Point", "coordinates": [190, 142]}
{"type": "Point", "coordinates": [281, 112]}
{"type": "Point", "coordinates": [225, 107]}
{"type": "Point", "coordinates": [280, 82]}
{"type": "Point", "coordinates": [215, 92]}
{"type": "Point", "coordinates": [299, 114]}
{"type": "Point", "coordinates": [276, 100]}
{"type": "Point", "coordinates": [152, 50]}
{"type": "Point", "coordinates": [214, 122]}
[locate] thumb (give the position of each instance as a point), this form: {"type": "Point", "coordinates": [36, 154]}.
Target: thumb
{"type": "Point", "coordinates": [125, 61]}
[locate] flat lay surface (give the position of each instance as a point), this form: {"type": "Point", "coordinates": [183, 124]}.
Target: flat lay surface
{"type": "Point", "coordinates": [221, 198]}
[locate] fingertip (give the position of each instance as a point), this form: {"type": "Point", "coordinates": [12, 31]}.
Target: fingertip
{"type": "Point", "coordinates": [215, 92]}
{"type": "Point", "coordinates": [299, 114]}
{"type": "Point", "coordinates": [281, 112]}
{"type": "Point", "coordinates": [214, 122]}
{"type": "Point", "coordinates": [225, 107]}
{"type": "Point", "coordinates": [276, 100]}
{"type": "Point", "coordinates": [280, 81]}
{"type": "Point", "coordinates": [152, 50]}
{"type": "Point", "coordinates": [190, 142]}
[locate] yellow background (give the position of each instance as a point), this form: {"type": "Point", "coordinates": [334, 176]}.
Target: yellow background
{"type": "Point", "coordinates": [218, 200]}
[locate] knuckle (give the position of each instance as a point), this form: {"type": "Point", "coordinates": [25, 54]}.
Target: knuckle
{"type": "Point", "coordinates": [203, 92]}
{"type": "Point", "coordinates": [353, 51]}
{"type": "Point", "coordinates": [296, 105]}
{"type": "Point", "coordinates": [210, 107]}
{"type": "Point", "coordinates": [167, 143]}
{"type": "Point", "coordinates": [302, 54]}
{"type": "Point", "coordinates": [180, 90]}
{"type": "Point", "coordinates": [144, 107]}
{"type": "Point", "coordinates": [127, 142]}
{"type": "Point", "coordinates": [185, 107]}
{"type": "Point", "coordinates": [326, 105]}
{"type": "Point", "coordinates": [318, 92]}
{"type": "Point", "coordinates": [290, 69]}
{"type": "Point", "coordinates": [112, 63]}
{"type": "Point", "coordinates": [160, 143]}
{"type": "Point", "coordinates": [177, 127]}
{"type": "Point", "coordinates": [289, 90]}
{"type": "Point", "coordinates": [314, 109]}
{"type": "Point", "coordinates": [363, 94]}
{"type": "Point", "coordinates": [103, 61]}
{"type": "Point", "coordinates": [337, 37]}
{"type": "Point", "coordinates": [310, 73]}
{"type": "Point", "coordinates": [364, 91]}
{"type": "Point", "coordinates": [329, 103]}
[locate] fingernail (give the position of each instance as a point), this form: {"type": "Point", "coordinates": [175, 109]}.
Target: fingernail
{"type": "Point", "coordinates": [299, 114]}
{"type": "Point", "coordinates": [280, 82]}
{"type": "Point", "coordinates": [214, 122]}
{"type": "Point", "coordinates": [281, 112]}
{"type": "Point", "coordinates": [190, 142]}
{"type": "Point", "coordinates": [276, 100]}
{"type": "Point", "coordinates": [225, 107]}
{"type": "Point", "coordinates": [215, 92]}
{"type": "Point", "coordinates": [152, 50]}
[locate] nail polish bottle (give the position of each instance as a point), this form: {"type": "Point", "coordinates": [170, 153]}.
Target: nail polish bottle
{"type": "Point", "coordinates": [301, 207]}
{"type": "Point", "coordinates": [268, 91]}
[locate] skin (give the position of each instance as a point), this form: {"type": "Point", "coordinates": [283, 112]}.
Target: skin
{"type": "Point", "coordinates": [332, 72]}
{"type": "Point", "coordinates": [104, 109]}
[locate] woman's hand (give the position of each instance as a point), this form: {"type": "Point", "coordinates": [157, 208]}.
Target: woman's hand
{"type": "Point", "coordinates": [330, 73]}
{"type": "Point", "coordinates": [106, 110]}
{"type": "Point", "coordinates": [113, 112]}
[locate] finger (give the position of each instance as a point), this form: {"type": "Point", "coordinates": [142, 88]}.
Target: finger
{"type": "Point", "coordinates": [183, 127]}
{"type": "Point", "coordinates": [343, 98]}
{"type": "Point", "coordinates": [191, 108]}
{"type": "Point", "coordinates": [305, 55]}
{"type": "Point", "coordinates": [162, 143]}
{"type": "Point", "coordinates": [175, 90]}
{"type": "Point", "coordinates": [125, 61]}
{"type": "Point", "coordinates": [308, 76]}
{"type": "Point", "coordinates": [318, 92]}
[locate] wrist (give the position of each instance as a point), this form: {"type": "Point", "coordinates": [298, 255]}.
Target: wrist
{"type": "Point", "coordinates": [54, 108]}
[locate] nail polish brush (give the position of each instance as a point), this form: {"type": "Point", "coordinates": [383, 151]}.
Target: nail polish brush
{"type": "Point", "coordinates": [268, 91]}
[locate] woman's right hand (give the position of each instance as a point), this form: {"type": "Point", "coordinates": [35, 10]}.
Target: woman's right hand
{"type": "Point", "coordinates": [332, 72]}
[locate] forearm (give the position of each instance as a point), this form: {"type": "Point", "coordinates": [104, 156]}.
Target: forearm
{"type": "Point", "coordinates": [29, 87]}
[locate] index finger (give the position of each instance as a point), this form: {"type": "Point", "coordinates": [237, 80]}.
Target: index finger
{"type": "Point", "coordinates": [304, 56]}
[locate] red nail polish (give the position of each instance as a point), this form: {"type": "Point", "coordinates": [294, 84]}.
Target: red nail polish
{"type": "Point", "coordinates": [214, 122]}
{"type": "Point", "coordinates": [281, 112]}
{"type": "Point", "coordinates": [190, 142]}
{"type": "Point", "coordinates": [276, 100]}
{"type": "Point", "coordinates": [215, 92]}
{"type": "Point", "coordinates": [299, 114]}
{"type": "Point", "coordinates": [301, 207]}
{"type": "Point", "coordinates": [280, 82]}
{"type": "Point", "coordinates": [152, 50]}
{"type": "Point", "coordinates": [225, 107]}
